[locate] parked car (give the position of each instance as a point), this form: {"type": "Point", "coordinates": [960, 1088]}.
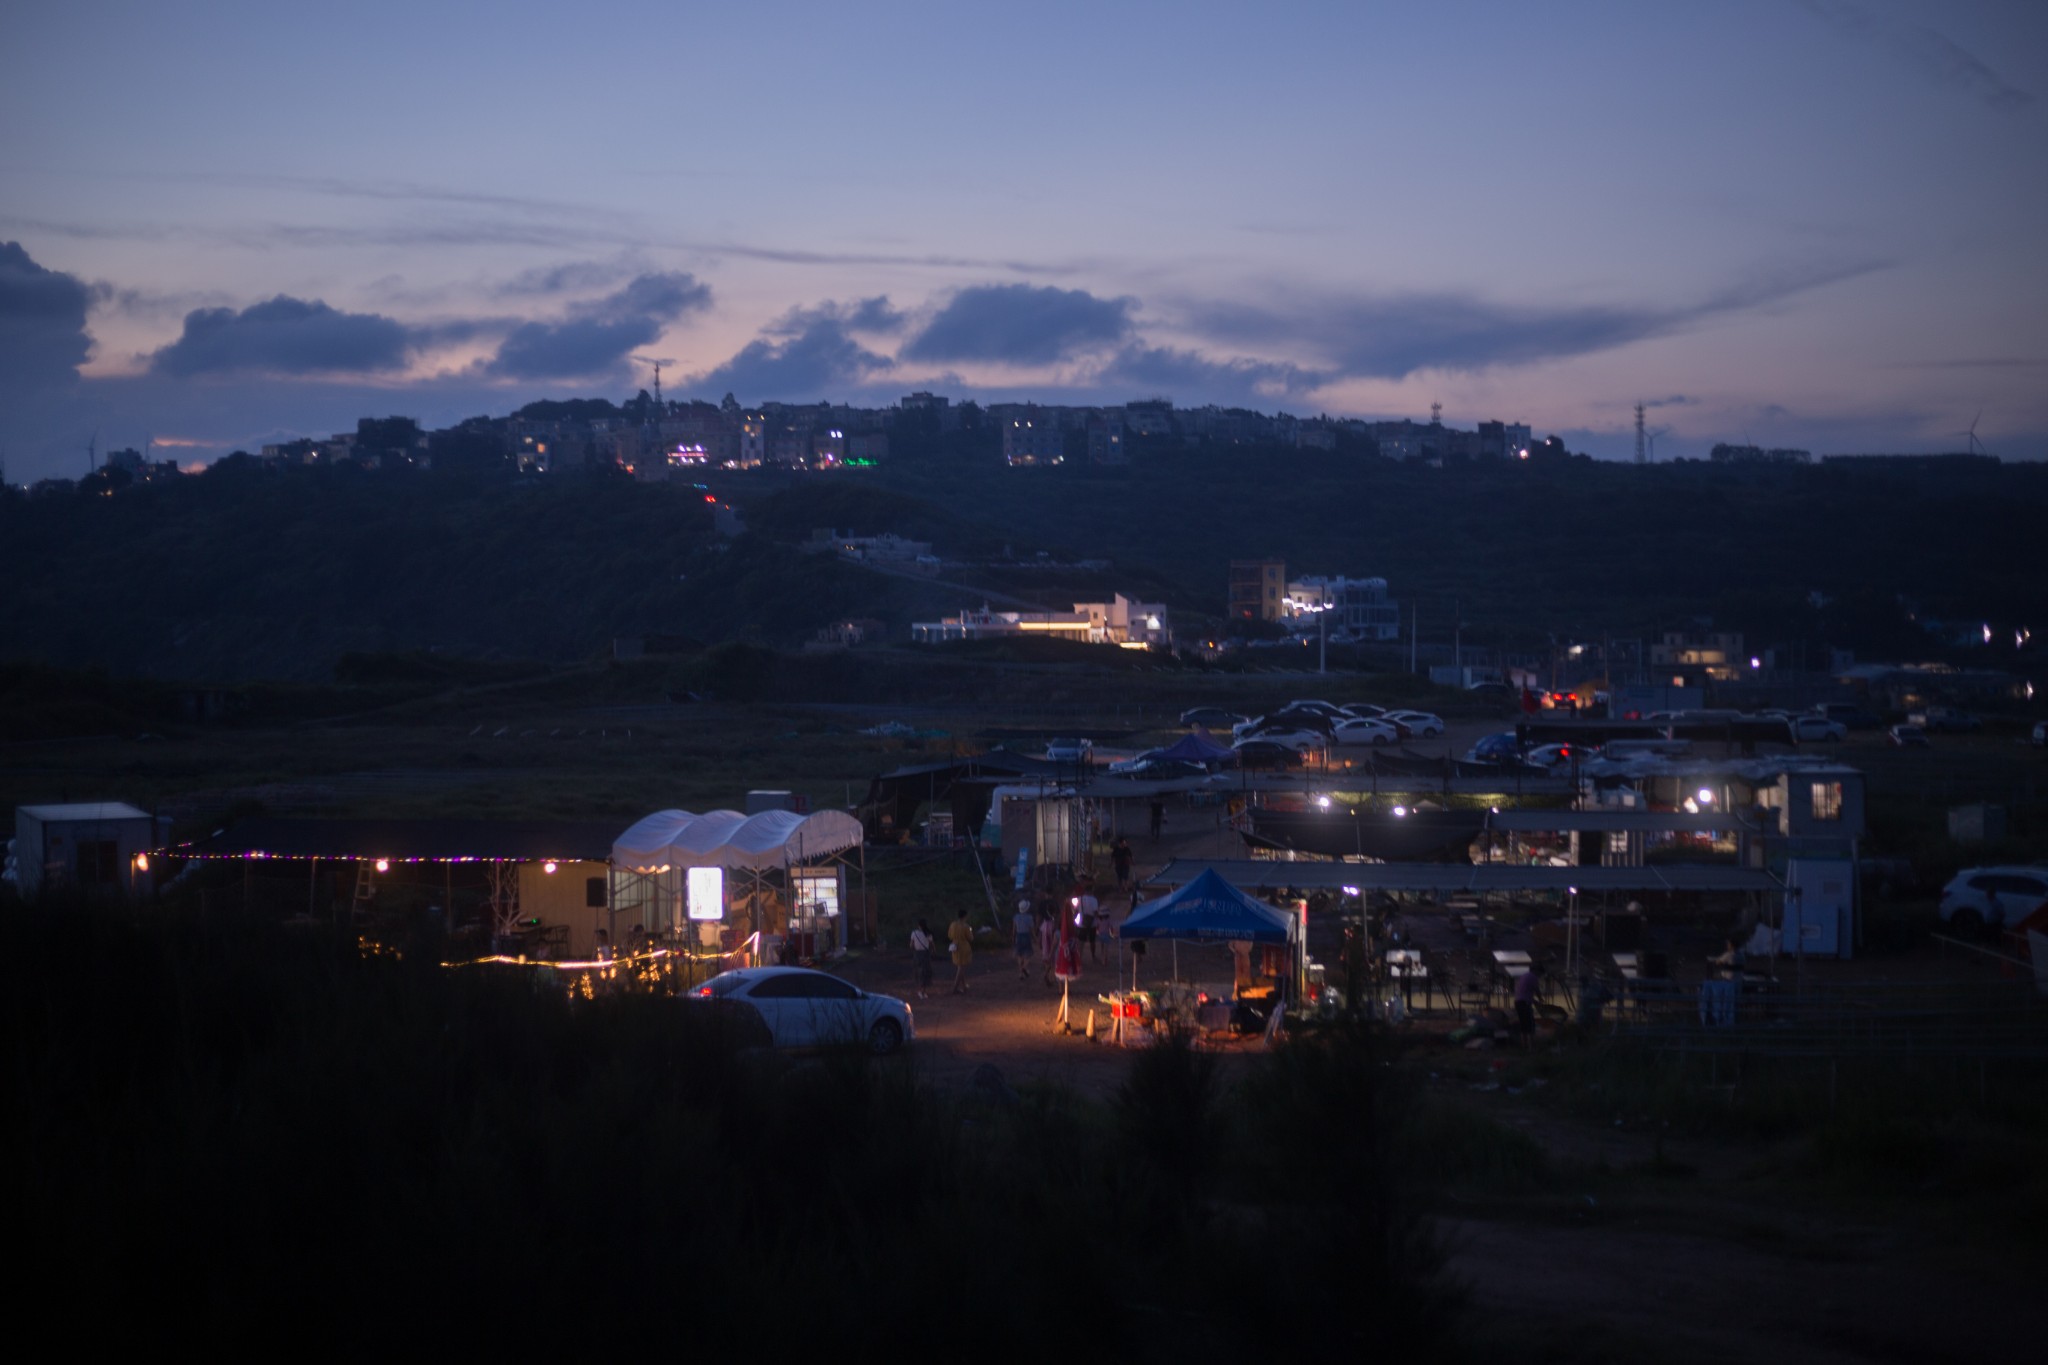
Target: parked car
{"type": "Point", "coordinates": [1373, 732]}
{"type": "Point", "coordinates": [806, 1008]}
{"type": "Point", "coordinates": [1284, 720]}
{"type": "Point", "coordinates": [1992, 897]}
{"type": "Point", "coordinates": [1816, 730]}
{"type": "Point", "coordinates": [1279, 734]}
{"type": "Point", "coordinates": [1945, 720]}
{"type": "Point", "coordinates": [1501, 748]}
{"type": "Point", "coordinates": [1306, 718]}
{"type": "Point", "coordinates": [1262, 753]}
{"type": "Point", "coordinates": [1416, 722]}
{"type": "Point", "coordinates": [1211, 717]}
{"type": "Point", "coordinates": [1071, 750]}
{"type": "Point", "coordinates": [1558, 755]}
{"type": "Point", "coordinates": [1849, 714]}
{"type": "Point", "coordinates": [1907, 736]}
{"type": "Point", "coordinates": [1153, 766]}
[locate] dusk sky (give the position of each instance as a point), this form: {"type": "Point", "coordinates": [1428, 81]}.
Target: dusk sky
{"type": "Point", "coordinates": [1812, 223]}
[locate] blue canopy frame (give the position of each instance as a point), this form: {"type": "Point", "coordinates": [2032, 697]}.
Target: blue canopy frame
{"type": "Point", "coordinates": [1209, 908]}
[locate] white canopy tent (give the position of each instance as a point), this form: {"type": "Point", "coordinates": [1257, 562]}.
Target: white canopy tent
{"type": "Point", "coordinates": [652, 860]}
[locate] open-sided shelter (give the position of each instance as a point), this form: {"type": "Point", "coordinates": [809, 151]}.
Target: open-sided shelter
{"type": "Point", "coordinates": [533, 879]}
{"type": "Point", "coordinates": [775, 873]}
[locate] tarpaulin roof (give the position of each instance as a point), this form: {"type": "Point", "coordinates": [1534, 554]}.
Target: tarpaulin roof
{"type": "Point", "coordinates": [1439, 835]}
{"type": "Point", "coordinates": [1476, 879]}
{"type": "Point", "coordinates": [1197, 747]}
{"type": "Point", "coordinates": [1209, 908]}
{"type": "Point", "coordinates": [643, 844]}
{"type": "Point", "coordinates": [419, 841]}
{"type": "Point", "coordinates": [726, 838]}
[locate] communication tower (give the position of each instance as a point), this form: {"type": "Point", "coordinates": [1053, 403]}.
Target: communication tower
{"type": "Point", "coordinates": [1641, 442]}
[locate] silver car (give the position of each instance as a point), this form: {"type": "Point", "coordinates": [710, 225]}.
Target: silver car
{"type": "Point", "coordinates": [805, 1008]}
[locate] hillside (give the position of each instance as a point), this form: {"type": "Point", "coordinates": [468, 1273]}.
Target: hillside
{"type": "Point", "coordinates": [250, 573]}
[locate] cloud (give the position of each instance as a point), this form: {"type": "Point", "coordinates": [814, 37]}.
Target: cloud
{"type": "Point", "coordinates": [1676, 400]}
{"type": "Point", "coordinates": [1987, 363]}
{"type": "Point", "coordinates": [43, 339]}
{"type": "Point", "coordinates": [817, 359]}
{"type": "Point", "coordinates": [1189, 375]}
{"type": "Point", "coordinates": [780, 256]}
{"type": "Point", "coordinates": [597, 336]}
{"type": "Point", "coordinates": [875, 315]}
{"type": "Point", "coordinates": [1934, 56]}
{"type": "Point", "coordinates": [1021, 324]}
{"type": "Point", "coordinates": [1393, 336]}
{"type": "Point", "coordinates": [567, 278]}
{"type": "Point", "coordinates": [284, 336]}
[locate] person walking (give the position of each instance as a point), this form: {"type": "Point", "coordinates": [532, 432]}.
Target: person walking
{"type": "Point", "coordinates": [921, 953]}
{"type": "Point", "coordinates": [1048, 935]}
{"type": "Point", "coordinates": [1120, 858]}
{"type": "Point", "coordinates": [1525, 1004]}
{"type": "Point", "coordinates": [962, 938]}
{"type": "Point", "coordinates": [1023, 927]}
{"type": "Point", "coordinates": [1087, 916]}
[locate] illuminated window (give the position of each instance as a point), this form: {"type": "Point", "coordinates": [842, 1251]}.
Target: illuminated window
{"type": "Point", "coordinates": [1827, 800]}
{"type": "Point", "coordinates": [816, 892]}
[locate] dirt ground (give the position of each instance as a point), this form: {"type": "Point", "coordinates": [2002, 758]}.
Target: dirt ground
{"type": "Point", "coordinates": [1717, 1266]}
{"type": "Point", "coordinates": [1012, 1020]}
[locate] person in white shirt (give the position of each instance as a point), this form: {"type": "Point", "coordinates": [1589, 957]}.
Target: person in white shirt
{"type": "Point", "coordinates": [921, 951]}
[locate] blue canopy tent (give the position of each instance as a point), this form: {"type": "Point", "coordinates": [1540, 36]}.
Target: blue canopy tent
{"type": "Point", "coordinates": [1211, 909]}
{"type": "Point", "coordinates": [1197, 747]}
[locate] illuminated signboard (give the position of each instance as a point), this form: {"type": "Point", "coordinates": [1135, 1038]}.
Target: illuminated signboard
{"type": "Point", "coordinates": [704, 893]}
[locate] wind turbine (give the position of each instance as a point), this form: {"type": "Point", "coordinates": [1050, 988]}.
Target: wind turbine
{"type": "Point", "coordinates": [1652, 436]}
{"type": "Point", "coordinates": [1971, 434]}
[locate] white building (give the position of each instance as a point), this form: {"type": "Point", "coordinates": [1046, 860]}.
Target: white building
{"type": "Point", "coordinates": [1119, 621]}
{"type": "Point", "coordinates": [97, 847]}
{"type": "Point", "coordinates": [1358, 607]}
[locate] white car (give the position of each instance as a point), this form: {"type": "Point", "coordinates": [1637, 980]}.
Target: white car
{"type": "Point", "coordinates": [1558, 755]}
{"type": "Point", "coordinates": [1417, 722]}
{"type": "Point", "coordinates": [1817, 730]}
{"type": "Point", "coordinates": [1978, 897]}
{"type": "Point", "coordinates": [1302, 741]}
{"type": "Point", "coordinates": [1373, 732]}
{"type": "Point", "coordinates": [805, 1008]}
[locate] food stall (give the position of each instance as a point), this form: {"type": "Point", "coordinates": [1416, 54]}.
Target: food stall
{"type": "Point", "coordinates": [1209, 909]}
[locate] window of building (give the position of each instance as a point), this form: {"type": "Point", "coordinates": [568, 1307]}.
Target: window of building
{"type": "Point", "coordinates": [1827, 800]}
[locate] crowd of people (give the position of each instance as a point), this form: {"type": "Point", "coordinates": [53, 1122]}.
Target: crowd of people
{"type": "Point", "coordinates": [1055, 927]}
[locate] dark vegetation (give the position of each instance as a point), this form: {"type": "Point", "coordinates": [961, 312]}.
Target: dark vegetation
{"type": "Point", "coordinates": [246, 572]}
{"type": "Point", "coordinates": [220, 1127]}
